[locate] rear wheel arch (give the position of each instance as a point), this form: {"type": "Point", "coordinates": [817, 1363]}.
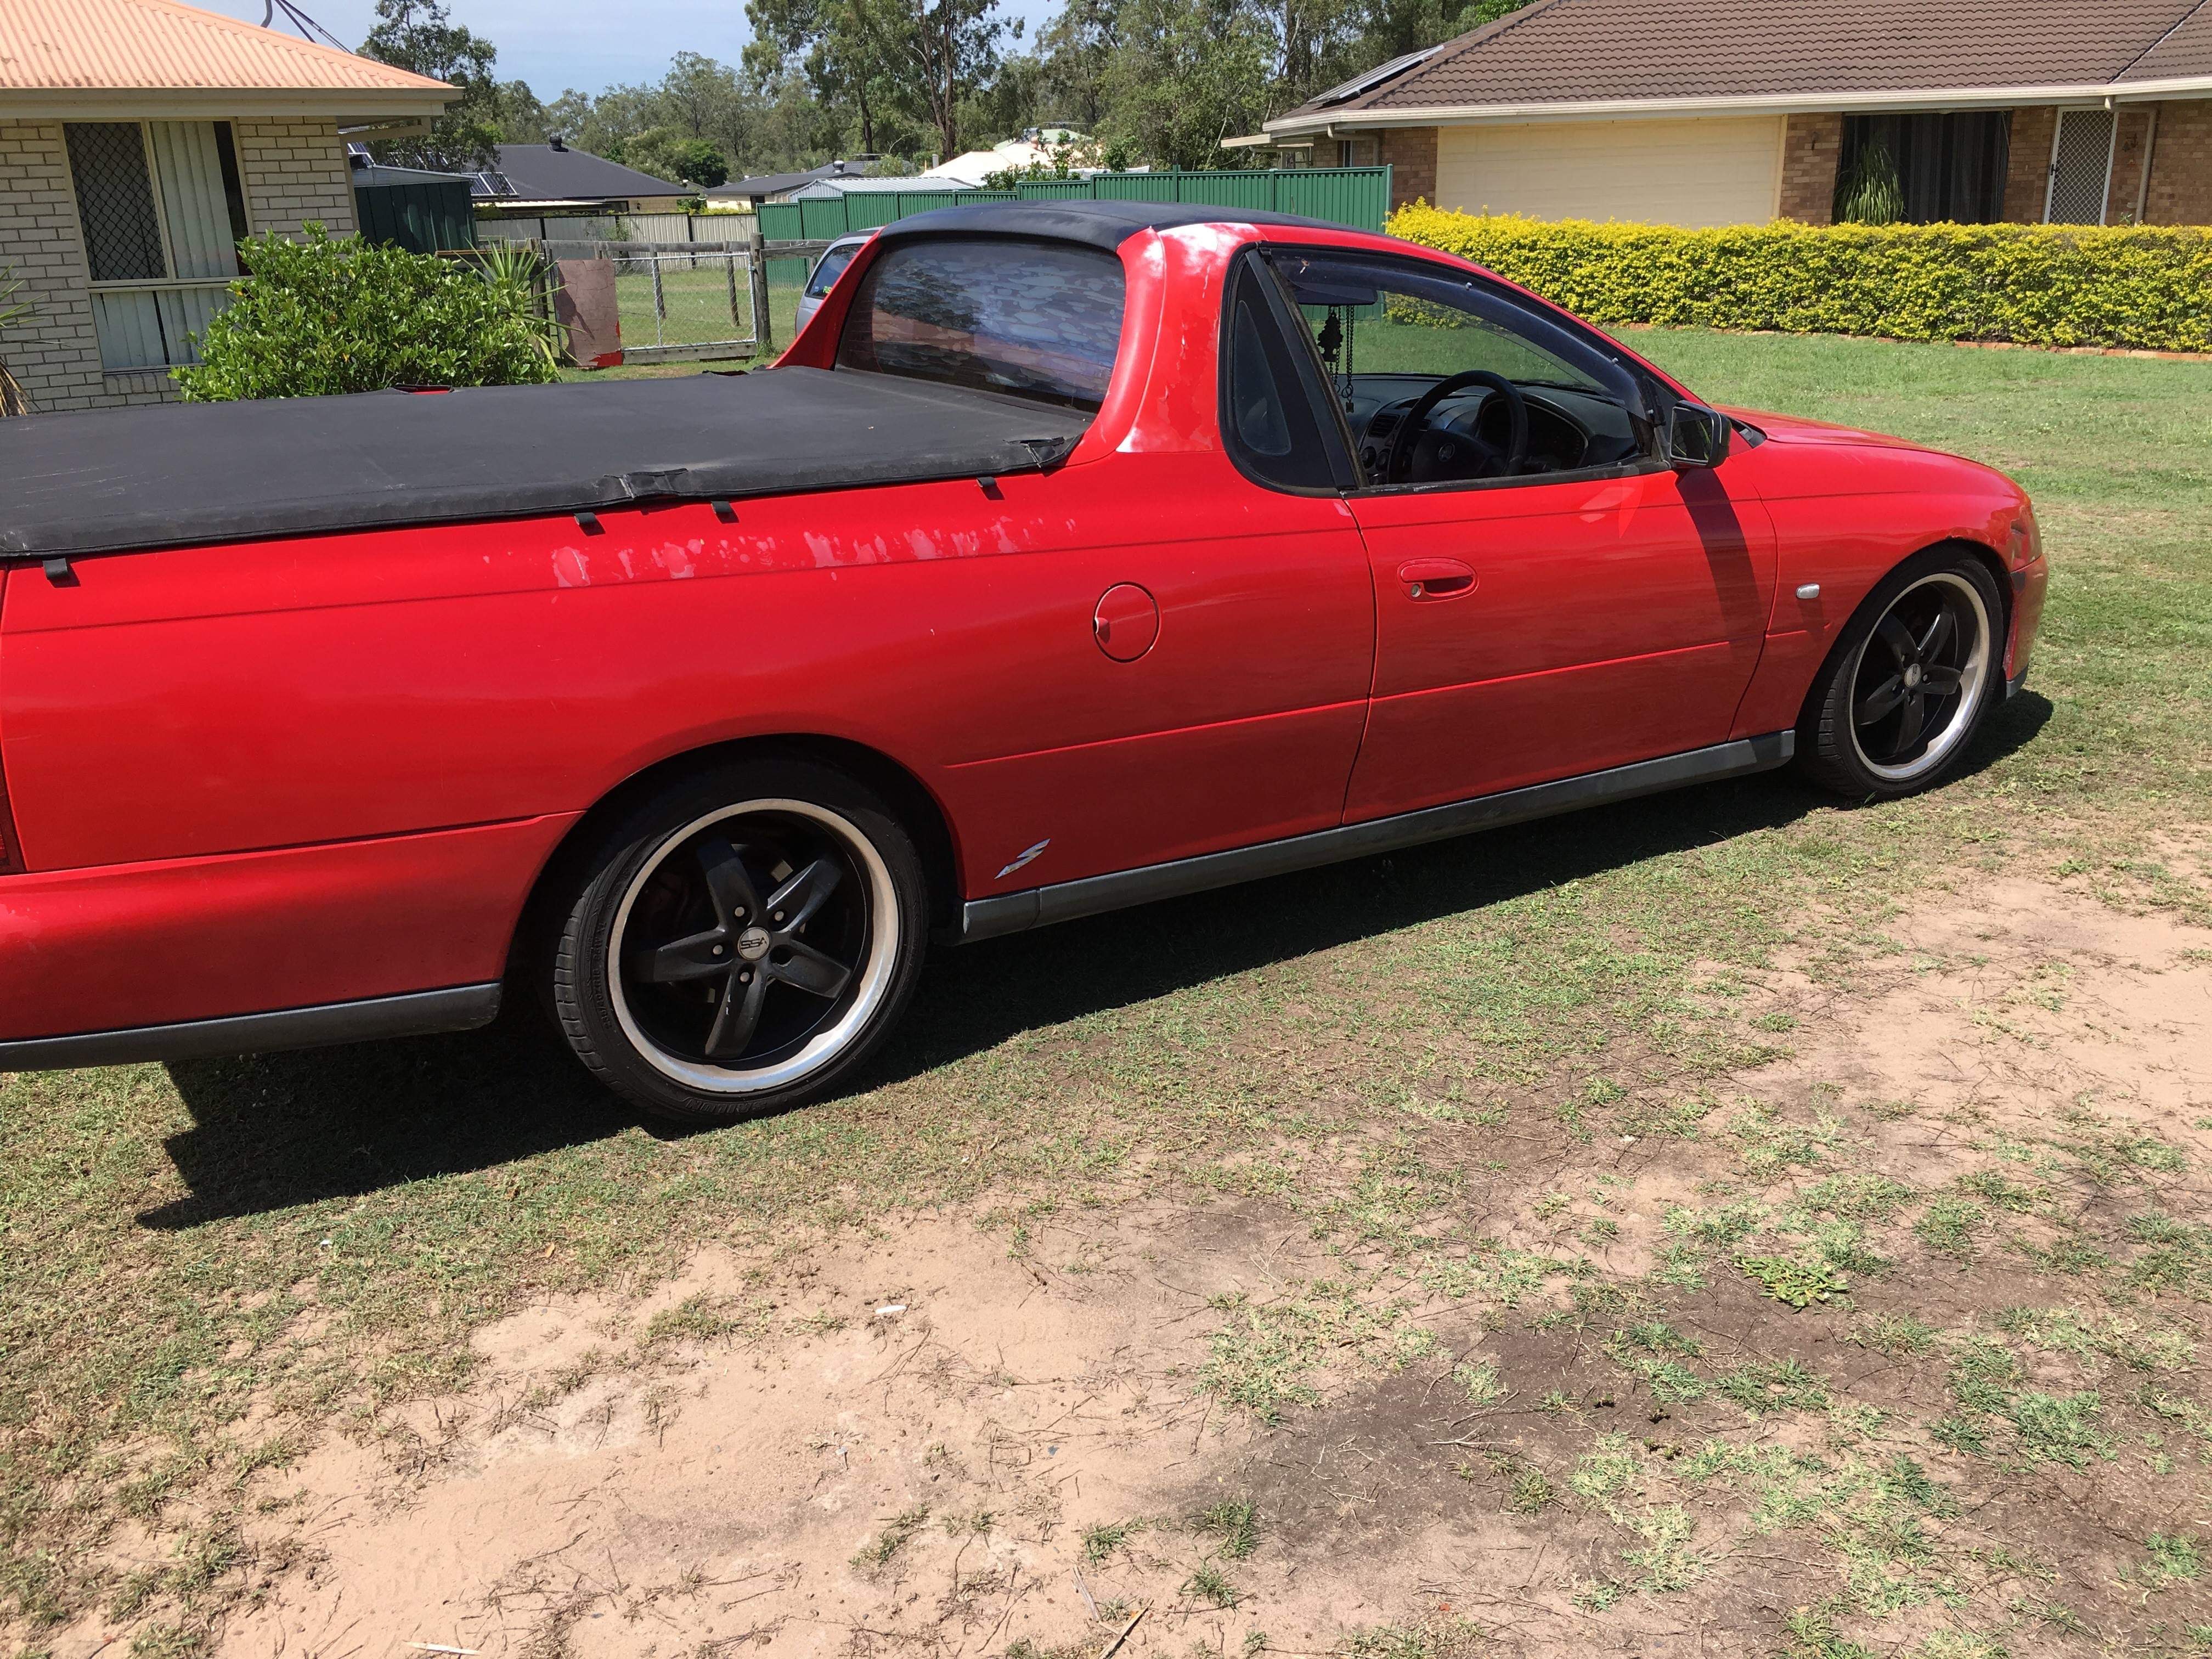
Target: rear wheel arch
{"type": "Point", "coordinates": [916, 807]}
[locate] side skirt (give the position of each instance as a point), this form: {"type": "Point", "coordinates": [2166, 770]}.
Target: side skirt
{"type": "Point", "coordinates": [1013, 913]}
{"type": "Point", "coordinates": [416, 1014]}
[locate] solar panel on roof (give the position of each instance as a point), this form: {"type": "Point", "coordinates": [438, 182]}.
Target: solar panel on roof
{"type": "Point", "coordinates": [1375, 77]}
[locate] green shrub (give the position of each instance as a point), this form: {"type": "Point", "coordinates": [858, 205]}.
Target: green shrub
{"type": "Point", "coordinates": [2133, 286]}
{"type": "Point", "coordinates": [318, 316]}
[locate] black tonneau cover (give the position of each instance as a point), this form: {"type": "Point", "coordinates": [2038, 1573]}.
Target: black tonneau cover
{"type": "Point", "coordinates": [105, 480]}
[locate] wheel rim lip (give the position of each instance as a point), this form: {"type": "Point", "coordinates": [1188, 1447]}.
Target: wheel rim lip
{"type": "Point", "coordinates": [1972, 675]}
{"type": "Point", "coordinates": [818, 1050]}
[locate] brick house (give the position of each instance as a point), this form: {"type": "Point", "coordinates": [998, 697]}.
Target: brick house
{"type": "Point", "coordinates": [1734, 111]}
{"type": "Point", "coordinates": [139, 141]}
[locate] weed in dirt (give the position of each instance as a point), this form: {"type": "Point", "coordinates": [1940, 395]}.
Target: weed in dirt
{"type": "Point", "coordinates": [699, 1318]}
{"type": "Point", "coordinates": [1895, 1334]}
{"type": "Point", "coordinates": [1952, 1226]}
{"type": "Point", "coordinates": [1478, 1380]}
{"type": "Point", "coordinates": [1235, 1523]}
{"type": "Point", "coordinates": [1859, 1195]}
{"type": "Point", "coordinates": [1531, 1494]}
{"type": "Point", "coordinates": [1101, 1541]}
{"type": "Point", "coordinates": [1264, 1355]}
{"type": "Point", "coordinates": [1799, 1284]}
{"type": "Point", "coordinates": [879, 1551]}
{"type": "Point", "coordinates": [1812, 1632]}
{"type": "Point", "coordinates": [2173, 1560]}
{"type": "Point", "coordinates": [1207, 1583]}
{"type": "Point", "coordinates": [1767, 1385]}
{"type": "Point", "coordinates": [1442, 1637]}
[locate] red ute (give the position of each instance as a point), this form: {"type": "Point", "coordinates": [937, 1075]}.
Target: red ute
{"type": "Point", "coordinates": [1075, 556]}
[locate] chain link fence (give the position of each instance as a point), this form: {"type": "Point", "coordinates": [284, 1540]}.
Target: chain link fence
{"type": "Point", "coordinates": [678, 299]}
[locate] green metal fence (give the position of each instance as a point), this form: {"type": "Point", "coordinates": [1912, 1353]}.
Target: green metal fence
{"type": "Point", "coordinates": [1357, 197]}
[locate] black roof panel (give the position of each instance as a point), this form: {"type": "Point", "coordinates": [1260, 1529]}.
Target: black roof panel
{"type": "Point", "coordinates": [1106, 224]}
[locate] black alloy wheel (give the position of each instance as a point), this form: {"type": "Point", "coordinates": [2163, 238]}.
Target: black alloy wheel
{"type": "Point", "coordinates": [1909, 681]}
{"type": "Point", "coordinates": [743, 942]}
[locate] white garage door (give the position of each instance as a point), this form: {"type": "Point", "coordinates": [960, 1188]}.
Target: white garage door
{"type": "Point", "coordinates": [1670, 173]}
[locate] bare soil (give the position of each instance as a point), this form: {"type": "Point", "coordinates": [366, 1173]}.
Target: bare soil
{"type": "Point", "coordinates": [1257, 1427]}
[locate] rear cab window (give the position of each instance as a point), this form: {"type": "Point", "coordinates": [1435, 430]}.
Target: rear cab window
{"type": "Point", "coordinates": [1029, 319]}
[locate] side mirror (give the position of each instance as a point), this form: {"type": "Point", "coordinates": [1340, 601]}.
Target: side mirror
{"type": "Point", "coordinates": [1696, 436]}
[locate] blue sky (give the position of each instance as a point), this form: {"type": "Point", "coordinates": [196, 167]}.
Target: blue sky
{"type": "Point", "coordinates": [591, 43]}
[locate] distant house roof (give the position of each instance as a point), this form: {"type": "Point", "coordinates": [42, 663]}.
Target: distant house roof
{"type": "Point", "coordinates": [555, 173]}
{"type": "Point", "coordinates": [155, 57]}
{"type": "Point", "coordinates": [853, 184]}
{"type": "Point", "coordinates": [771, 185]}
{"type": "Point", "coordinates": [1624, 57]}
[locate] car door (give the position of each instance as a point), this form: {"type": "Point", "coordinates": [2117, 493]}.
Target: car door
{"type": "Point", "coordinates": [1557, 612]}
{"type": "Point", "coordinates": [1142, 655]}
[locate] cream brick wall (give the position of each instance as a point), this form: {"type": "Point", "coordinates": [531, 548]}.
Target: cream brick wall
{"type": "Point", "coordinates": [292, 171]}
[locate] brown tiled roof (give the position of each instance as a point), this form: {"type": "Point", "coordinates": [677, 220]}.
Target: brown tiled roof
{"type": "Point", "coordinates": [1575, 51]}
{"type": "Point", "coordinates": [2187, 51]}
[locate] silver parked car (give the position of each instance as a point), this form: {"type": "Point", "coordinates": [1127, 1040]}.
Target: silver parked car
{"type": "Point", "coordinates": [826, 269]}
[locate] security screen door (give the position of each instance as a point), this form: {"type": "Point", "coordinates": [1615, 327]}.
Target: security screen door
{"type": "Point", "coordinates": [2081, 168]}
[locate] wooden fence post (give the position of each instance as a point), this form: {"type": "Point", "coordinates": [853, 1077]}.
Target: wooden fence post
{"type": "Point", "coordinates": [756, 258]}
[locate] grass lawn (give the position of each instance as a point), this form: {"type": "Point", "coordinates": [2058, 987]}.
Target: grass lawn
{"type": "Point", "coordinates": [204, 1268]}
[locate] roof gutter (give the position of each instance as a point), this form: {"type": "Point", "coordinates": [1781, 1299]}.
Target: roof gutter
{"type": "Point", "coordinates": [349, 106]}
{"type": "Point", "coordinates": [1618, 109]}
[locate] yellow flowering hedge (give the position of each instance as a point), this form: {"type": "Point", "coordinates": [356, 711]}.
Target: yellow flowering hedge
{"type": "Point", "coordinates": [2140, 286]}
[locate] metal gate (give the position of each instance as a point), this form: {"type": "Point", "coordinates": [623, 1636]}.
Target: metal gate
{"type": "Point", "coordinates": [680, 300]}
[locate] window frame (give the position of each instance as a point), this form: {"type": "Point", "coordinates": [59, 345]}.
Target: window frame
{"type": "Point", "coordinates": [881, 252]}
{"type": "Point", "coordinates": [1643, 421]}
{"type": "Point", "coordinates": [1250, 269]}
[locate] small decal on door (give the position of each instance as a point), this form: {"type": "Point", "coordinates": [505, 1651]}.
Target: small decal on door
{"type": "Point", "coordinates": [1025, 858]}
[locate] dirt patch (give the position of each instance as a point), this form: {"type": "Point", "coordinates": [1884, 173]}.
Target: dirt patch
{"type": "Point", "coordinates": [1893, 1339]}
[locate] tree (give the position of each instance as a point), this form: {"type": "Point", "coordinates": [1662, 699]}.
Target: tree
{"type": "Point", "coordinates": [665, 153]}
{"type": "Point", "coordinates": [1185, 74]}
{"type": "Point", "coordinates": [418, 35]}
{"type": "Point", "coordinates": [520, 117]}
{"type": "Point", "coordinates": [923, 58]}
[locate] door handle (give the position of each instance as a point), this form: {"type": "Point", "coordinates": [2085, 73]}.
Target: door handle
{"type": "Point", "coordinates": [1436, 579]}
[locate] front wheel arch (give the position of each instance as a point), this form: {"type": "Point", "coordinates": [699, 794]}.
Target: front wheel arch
{"type": "Point", "coordinates": [1989, 561]}
{"type": "Point", "coordinates": [1829, 752]}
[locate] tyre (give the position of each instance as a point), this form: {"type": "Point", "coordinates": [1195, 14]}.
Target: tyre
{"type": "Point", "coordinates": [742, 942]}
{"type": "Point", "coordinates": [1901, 695]}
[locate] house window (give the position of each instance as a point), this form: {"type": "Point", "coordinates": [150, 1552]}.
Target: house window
{"type": "Point", "coordinates": [164, 210]}
{"type": "Point", "coordinates": [1948, 168]}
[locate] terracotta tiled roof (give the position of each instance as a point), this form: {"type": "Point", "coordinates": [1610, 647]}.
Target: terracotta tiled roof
{"type": "Point", "coordinates": [89, 45]}
{"type": "Point", "coordinates": [1576, 52]}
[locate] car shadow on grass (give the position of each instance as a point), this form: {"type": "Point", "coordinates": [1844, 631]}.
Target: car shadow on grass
{"type": "Point", "coordinates": [273, 1131]}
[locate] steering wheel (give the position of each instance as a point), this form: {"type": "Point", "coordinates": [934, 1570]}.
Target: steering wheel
{"type": "Point", "coordinates": [1400, 461]}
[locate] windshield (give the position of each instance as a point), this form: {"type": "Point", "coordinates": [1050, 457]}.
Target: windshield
{"type": "Point", "coordinates": [831, 267]}
{"type": "Point", "coordinates": [1036, 320]}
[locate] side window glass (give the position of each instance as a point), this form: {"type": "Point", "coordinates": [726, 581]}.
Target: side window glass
{"type": "Point", "coordinates": [1446, 378]}
{"type": "Point", "coordinates": [1268, 419]}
